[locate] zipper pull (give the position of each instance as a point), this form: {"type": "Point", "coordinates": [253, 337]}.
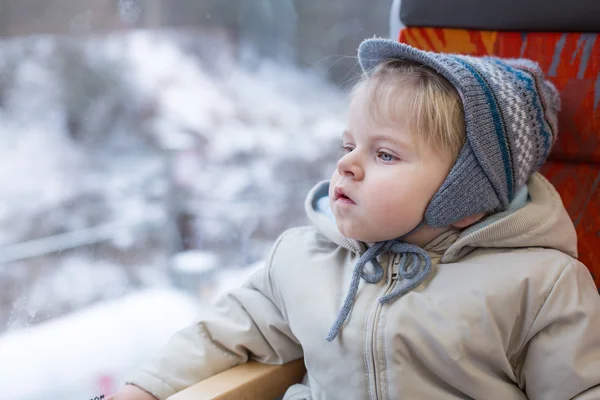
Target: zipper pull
{"type": "Point", "coordinates": [396, 265]}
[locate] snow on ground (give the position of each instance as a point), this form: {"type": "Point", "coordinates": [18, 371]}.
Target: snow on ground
{"type": "Point", "coordinates": [71, 357]}
{"type": "Point", "coordinates": [91, 351]}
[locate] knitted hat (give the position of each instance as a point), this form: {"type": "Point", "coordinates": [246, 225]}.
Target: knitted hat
{"type": "Point", "coordinates": [511, 125]}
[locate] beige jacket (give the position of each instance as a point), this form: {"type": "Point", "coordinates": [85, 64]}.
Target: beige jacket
{"type": "Point", "coordinates": [507, 313]}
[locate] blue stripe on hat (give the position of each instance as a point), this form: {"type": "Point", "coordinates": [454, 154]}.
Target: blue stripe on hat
{"type": "Point", "coordinates": [498, 125]}
{"type": "Point", "coordinates": [529, 83]}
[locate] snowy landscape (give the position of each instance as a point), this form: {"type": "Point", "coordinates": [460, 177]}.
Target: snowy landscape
{"type": "Point", "coordinates": [142, 173]}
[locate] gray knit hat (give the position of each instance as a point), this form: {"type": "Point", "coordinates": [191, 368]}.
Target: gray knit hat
{"type": "Point", "coordinates": [511, 125]}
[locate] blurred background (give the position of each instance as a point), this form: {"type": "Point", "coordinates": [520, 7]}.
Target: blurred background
{"type": "Point", "coordinates": [150, 153]}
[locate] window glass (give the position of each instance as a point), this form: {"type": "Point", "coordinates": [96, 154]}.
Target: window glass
{"type": "Point", "coordinates": [151, 152]}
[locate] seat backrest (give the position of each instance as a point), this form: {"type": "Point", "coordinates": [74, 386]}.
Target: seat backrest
{"type": "Point", "coordinates": [571, 61]}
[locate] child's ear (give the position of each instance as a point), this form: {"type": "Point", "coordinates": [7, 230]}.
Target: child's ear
{"type": "Point", "coordinates": [466, 221]}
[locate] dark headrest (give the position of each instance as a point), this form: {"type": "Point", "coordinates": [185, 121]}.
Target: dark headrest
{"type": "Point", "coordinates": [516, 15]}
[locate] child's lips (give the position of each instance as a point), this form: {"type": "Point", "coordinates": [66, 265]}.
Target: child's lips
{"type": "Point", "coordinates": [346, 200]}
{"type": "Point", "coordinates": [342, 197]}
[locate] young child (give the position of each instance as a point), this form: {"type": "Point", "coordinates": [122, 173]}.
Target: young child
{"type": "Point", "coordinates": [445, 266]}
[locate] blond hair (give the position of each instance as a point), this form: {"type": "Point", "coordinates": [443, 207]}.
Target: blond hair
{"type": "Point", "coordinates": [427, 102]}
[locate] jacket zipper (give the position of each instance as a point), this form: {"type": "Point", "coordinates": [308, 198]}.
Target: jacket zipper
{"type": "Point", "coordinates": [372, 346]}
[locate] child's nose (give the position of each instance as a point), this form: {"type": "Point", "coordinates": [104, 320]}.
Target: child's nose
{"type": "Point", "coordinates": [349, 166]}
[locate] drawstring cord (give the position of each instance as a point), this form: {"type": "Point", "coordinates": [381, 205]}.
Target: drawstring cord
{"type": "Point", "coordinates": [413, 274]}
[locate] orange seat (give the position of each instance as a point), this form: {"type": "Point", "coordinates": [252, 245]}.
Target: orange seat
{"type": "Point", "coordinates": [572, 62]}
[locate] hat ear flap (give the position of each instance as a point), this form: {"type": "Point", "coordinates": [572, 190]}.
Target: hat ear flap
{"type": "Point", "coordinates": [466, 180]}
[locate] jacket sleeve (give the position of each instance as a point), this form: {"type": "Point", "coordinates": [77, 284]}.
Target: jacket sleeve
{"type": "Point", "coordinates": [244, 324]}
{"type": "Point", "coordinates": [562, 359]}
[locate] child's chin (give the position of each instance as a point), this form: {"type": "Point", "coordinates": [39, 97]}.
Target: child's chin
{"type": "Point", "coordinates": [355, 233]}
{"type": "Point", "coordinates": [362, 237]}
{"type": "Point", "coordinates": [349, 233]}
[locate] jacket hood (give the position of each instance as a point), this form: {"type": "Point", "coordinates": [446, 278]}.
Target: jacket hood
{"type": "Point", "coordinates": [541, 222]}
{"type": "Point", "coordinates": [318, 212]}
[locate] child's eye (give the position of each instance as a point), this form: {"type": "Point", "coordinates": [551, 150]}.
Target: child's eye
{"type": "Point", "coordinates": [345, 149]}
{"type": "Point", "coordinates": [386, 156]}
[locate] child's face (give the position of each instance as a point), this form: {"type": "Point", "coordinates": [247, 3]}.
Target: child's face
{"type": "Point", "coordinates": [384, 182]}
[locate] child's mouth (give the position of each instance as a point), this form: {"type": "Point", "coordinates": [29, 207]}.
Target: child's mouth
{"type": "Point", "coordinates": [345, 200]}
{"type": "Point", "coordinates": [341, 197]}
